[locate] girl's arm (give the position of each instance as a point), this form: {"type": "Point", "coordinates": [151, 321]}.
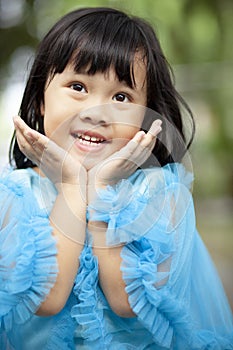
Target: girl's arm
{"type": "Point", "coordinates": [121, 165]}
{"type": "Point", "coordinates": [68, 216]}
{"type": "Point", "coordinates": [110, 276]}
{"type": "Point", "coordinates": [68, 220]}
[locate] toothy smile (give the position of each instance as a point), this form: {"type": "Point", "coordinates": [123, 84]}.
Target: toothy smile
{"type": "Point", "coordinates": [89, 140]}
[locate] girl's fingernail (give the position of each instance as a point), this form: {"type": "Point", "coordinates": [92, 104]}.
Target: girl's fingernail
{"type": "Point", "coordinates": [16, 120]}
{"type": "Point", "coordinates": [140, 135]}
{"type": "Point", "coordinates": [158, 130]}
{"type": "Point", "coordinates": [158, 122]}
{"type": "Point", "coordinates": [156, 127]}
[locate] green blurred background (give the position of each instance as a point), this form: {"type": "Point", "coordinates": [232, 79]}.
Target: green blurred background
{"type": "Point", "coordinates": [196, 36]}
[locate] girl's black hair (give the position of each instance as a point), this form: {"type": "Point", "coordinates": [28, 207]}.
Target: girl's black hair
{"type": "Point", "coordinates": [97, 39]}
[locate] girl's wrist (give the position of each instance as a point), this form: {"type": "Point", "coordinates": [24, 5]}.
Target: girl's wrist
{"type": "Point", "coordinates": [68, 215]}
{"type": "Point", "coordinates": [72, 182]}
{"type": "Point", "coordinates": [97, 230]}
{"type": "Point", "coordinates": [63, 186]}
{"type": "Point", "coordinates": [73, 193]}
{"type": "Point", "coordinates": [93, 191]}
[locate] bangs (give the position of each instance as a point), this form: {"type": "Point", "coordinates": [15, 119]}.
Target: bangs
{"type": "Point", "coordinates": [104, 46]}
{"type": "Point", "coordinates": [99, 42]}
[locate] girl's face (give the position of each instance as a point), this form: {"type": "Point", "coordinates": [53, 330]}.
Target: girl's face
{"type": "Point", "coordinates": [93, 116]}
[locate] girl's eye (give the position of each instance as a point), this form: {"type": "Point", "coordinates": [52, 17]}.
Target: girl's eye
{"type": "Point", "coordinates": [78, 87]}
{"type": "Point", "coordinates": [121, 98]}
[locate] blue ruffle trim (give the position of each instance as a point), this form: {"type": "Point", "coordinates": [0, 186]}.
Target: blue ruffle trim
{"type": "Point", "coordinates": [159, 310]}
{"type": "Point", "coordinates": [28, 266]}
{"type": "Point", "coordinates": [126, 207]}
{"type": "Point", "coordinates": [62, 333]}
{"type": "Point", "coordinates": [86, 312]}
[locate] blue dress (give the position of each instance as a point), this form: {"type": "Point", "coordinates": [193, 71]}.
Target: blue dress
{"type": "Point", "coordinates": [172, 285]}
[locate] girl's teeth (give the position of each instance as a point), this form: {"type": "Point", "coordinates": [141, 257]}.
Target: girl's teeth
{"type": "Point", "coordinates": [87, 140]}
{"type": "Point", "coordinates": [86, 137]}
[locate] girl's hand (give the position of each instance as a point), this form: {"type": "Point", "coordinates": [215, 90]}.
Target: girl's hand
{"type": "Point", "coordinates": [56, 163]}
{"type": "Point", "coordinates": [124, 162]}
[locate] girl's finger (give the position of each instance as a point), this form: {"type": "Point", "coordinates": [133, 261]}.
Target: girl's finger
{"type": "Point", "coordinates": [150, 138]}
{"type": "Point", "coordinates": [37, 140]}
{"type": "Point", "coordinates": [22, 141]}
{"type": "Point", "coordinates": [26, 148]}
{"type": "Point", "coordinates": [20, 124]}
{"type": "Point", "coordinates": [155, 127]}
{"type": "Point", "coordinates": [139, 136]}
{"type": "Point", "coordinates": [145, 143]}
{"type": "Point", "coordinates": [129, 149]}
{"type": "Point", "coordinates": [133, 149]}
{"type": "Point", "coordinates": [28, 141]}
{"type": "Point", "coordinates": [33, 137]}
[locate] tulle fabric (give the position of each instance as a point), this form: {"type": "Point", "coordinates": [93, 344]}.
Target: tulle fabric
{"type": "Point", "coordinates": [163, 312]}
{"type": "Point", "coordinates": [142, 202]}
{"type": "Point", "coordinates": [28, 266]}
{"type": "Point", "coordinates": [165, 266]}
{"type": "Point", "coordinates": [97, 326]}
{"type": "Point", "coordinates": [163, 257]}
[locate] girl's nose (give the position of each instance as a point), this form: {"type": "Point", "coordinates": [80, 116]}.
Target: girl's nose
{"type": "Point", "coordinates": [97, 115]}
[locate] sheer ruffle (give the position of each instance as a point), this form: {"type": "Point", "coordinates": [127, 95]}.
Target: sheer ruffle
{"type": "Point", "coordinates": [160, 310]}
{"type": "Point", "coordinates": [28, 266]}
{"type": "Point", "coordinates": [159, 296]}
{"type": "Point", "coordinates": [86, 312]}
{"type": "Point", "coordinates": [152, 214]}
{"type": "Point", "coordinates": [62, 334]}
{"type": "Point", "coordinates": [126, 206]}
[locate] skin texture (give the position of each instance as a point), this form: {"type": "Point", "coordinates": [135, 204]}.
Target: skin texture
{"type": "Point", "coordinates": [107, 109]}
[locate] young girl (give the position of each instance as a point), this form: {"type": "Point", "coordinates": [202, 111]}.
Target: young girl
{"type": "Point", "coordinates": [98, 245]}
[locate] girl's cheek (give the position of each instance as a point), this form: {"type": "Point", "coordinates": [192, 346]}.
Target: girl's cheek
{"type": "Point", "coordinates": [128, 132]}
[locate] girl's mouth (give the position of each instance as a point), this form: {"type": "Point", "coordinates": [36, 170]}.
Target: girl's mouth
{"type": "Point", "coordinates": [88, 141]}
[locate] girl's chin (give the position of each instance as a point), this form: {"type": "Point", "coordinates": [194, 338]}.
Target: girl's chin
{"type": "Point", "coordinates": [87, 161]}
{"type": "Point", "coordinates": [88, 164]}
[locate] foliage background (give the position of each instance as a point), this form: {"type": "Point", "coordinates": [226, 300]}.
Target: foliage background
{"type": "Point", "coordinates": [196, 36]}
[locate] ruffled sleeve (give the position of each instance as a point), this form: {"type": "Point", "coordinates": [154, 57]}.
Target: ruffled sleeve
{"type": "Point", "coordinates": [133, 207]}
{"type": "Point", "coordinates": [164, 310]}
{"type": "Point", "coordinates": [152, 215]}
{"type": "Point", "coordinates": [28, 265]}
